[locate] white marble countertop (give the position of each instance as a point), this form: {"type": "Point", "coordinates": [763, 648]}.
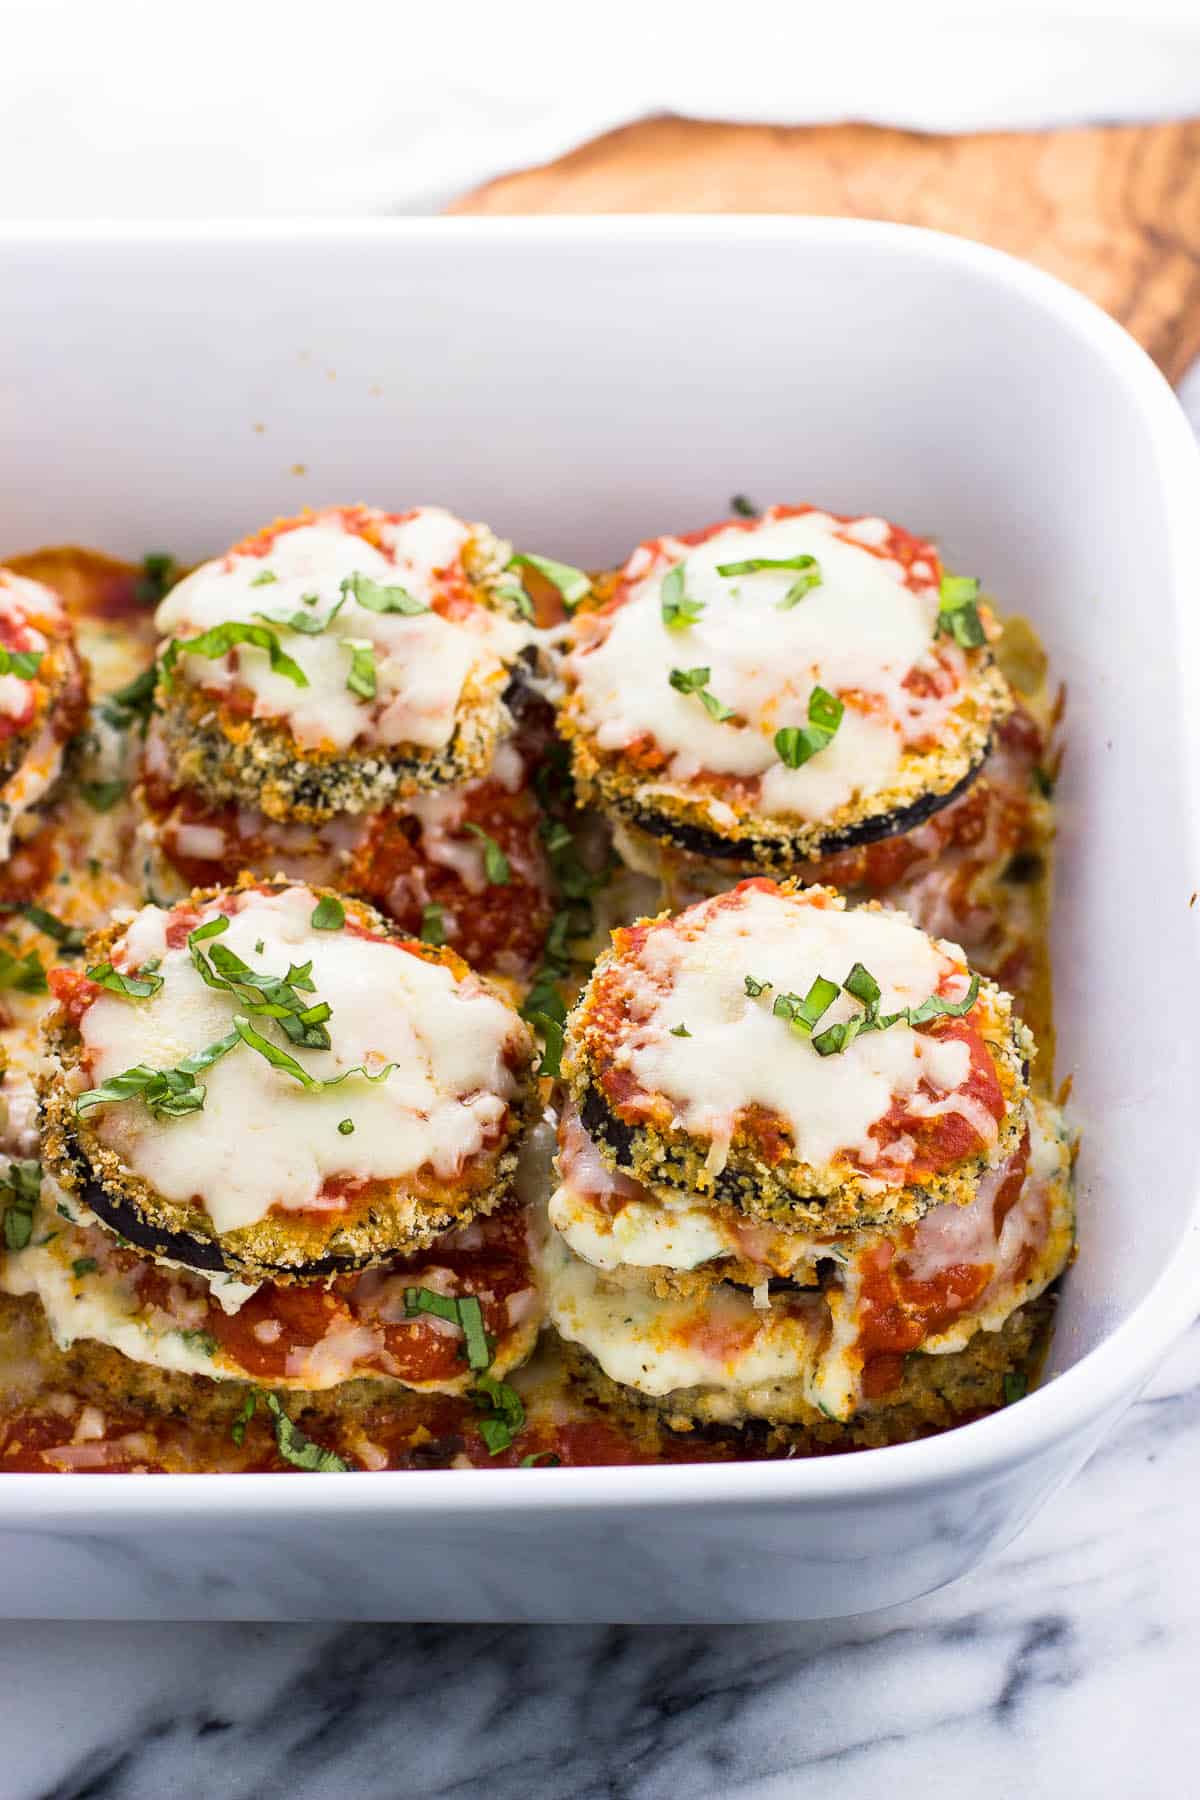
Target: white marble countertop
{"type": "Point", "coordinates": [1067, 1666]}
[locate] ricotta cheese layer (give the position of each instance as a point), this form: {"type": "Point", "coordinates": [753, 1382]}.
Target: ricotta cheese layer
{"type": "Point", "coordinates": [263, 1140]}
{"type": "Point", "coordinates": [422, 657]}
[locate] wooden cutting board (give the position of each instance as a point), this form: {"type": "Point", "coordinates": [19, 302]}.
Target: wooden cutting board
{"type": "Point", "coordinates": [1114, 210]}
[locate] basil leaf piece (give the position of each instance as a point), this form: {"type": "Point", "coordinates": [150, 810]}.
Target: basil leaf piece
{"type": "Point", "coordinates": [130, 987]}
{"type": "Point", "coordinates": [540, 1456]}
{"type": "Point", "coordinates": [361, 679]}
{"type": "Point", "coordinates": [279, 1059]}
{"type": "Point", "coordinates": [755, 988]}
{"type": "Point", "coordinates": [22, 974]}
{"type": "Point", "coordinates": [329, 914]}
{"type": "Point", "coordinates": [678, 609]}
{"type": "Point", "coordinates": [87, 1265]}
{"type": "Point", "coordinates": [377, 597]}
{"type": "Point", "coordinates": [346, 1127]}
{"type": "Point", "coordinates": [24, 663]}
{"type": "Point", "coordinates": [744, 507]}
{"type": "Point", "coordinates": [168, 1093]}
{"type": "Point", "coordinates": [802, 1015]}
{"type": "Point", "coordinates": [133, 701]}
{"type": "Point", "coordinates": [938, 1008]}
{"type": "Point", "coordinates": [572, 583]}
{"type": "Point", "coordinates": [795, 744]}
{"type": "Point", "coordinates": [264, 578]}
{"type": "Point", "coordinates": [432, 930]}
{"type": "Point", "coordinates": [680, 1031]}
{"type": "Point", "coordinates": [220, 639]}
{"type": "Point", "coordinates": [237, 1430]}
{"type": "Point", "coordinates": [68, 937]}
{"type": "Point", "coordinates": [1016, 1386]}
{"type": "Point", "coordinates": [102, 796]}
{"type": "Point", "coordinates": [552, 1044]}
{"type": "Point", "coordinates": [958, 613]}
{"type": "Point", "coordinates": [299, 1450]}
{"type": "Point", "coordinates": [862, 984]}
{"type": "Point", "coordinates": [212, 928]}
{"type": "Point", "coordinates": [694, 681]}
{"type": "Point", "coordinates": [504, 1413]}
{"type": "Point", "coordinates": [751, 565]}
{"type": "Point", "coordinates": [159, 573]}
{"type": "Point", "coordinates": [20, 1188]}
{"type": "Point", "coordinates": [495, 863]}
{"type": "Point", "coordinates": [465, 1312]}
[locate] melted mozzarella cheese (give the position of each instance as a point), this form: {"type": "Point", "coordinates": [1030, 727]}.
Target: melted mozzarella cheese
{"type": "Point", "coordinates": [262, 1139]}
{"type": "Point", "coordinates": [859, 633]}
{"type": "Point", "coordinates": [422, 660]}
{"type": "Point", "coordinates": [739, 1054]}
{"type": "Point", "coordinates": [720, 1340]}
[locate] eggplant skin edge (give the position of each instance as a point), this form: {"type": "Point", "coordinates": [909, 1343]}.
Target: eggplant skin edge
{"type": "Point", "coordinates": [201, 1254]}
{"type": "Point", "coordinates": [774, 851]}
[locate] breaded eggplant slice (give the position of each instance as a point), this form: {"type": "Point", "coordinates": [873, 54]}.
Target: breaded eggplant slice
{"type": "Point", "coordinates": [43, 698]}
{"type": "Point", "coordinates": [810, 1064]}
{"type": "Point", "coordinates": [357, 1327]}
{"type": "Point", "coordinates": [935, 1393]}
{"type": "Point", "coordinates": [272, 1081]}
{"type": "Point", "coordinates": [774, 690]}
{"type": "Point", "coordinates": [723, 1355]}
{"type": "Point", "coordinates": [338, 661]}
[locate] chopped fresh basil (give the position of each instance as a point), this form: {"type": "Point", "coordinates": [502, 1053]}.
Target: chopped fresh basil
{"type": "Point", "coordinates": [20, 1187]}
{"type": "Point", "coordinates": [169, 1093]}
{"type": "Point", "coordinates": [219, 640]}
{"type": "Point", "coordinates": [264, 578]}
{"type": "Point", "coordinates": [159, 573]}
{"type": "Point", "coordinates": [938, 1008]}
{"type": "Point", "coordinates": [279, 1059]}
{"type": "Point", "coordinates": [299, 1450]}
{"type": "Point", "coordinates": [546, 1457]}
{"type": "Point", "coordinates": [755, 988]}
{"type": "Point", "coordinates": [552, 1044]}
{"type": "Point", "coordinates": [495, 863]}
{"type": "Point", "coordinates": [680, 1030]}
{"type": "Point", "coordinates": [795, 744]}
{"type": "Point", "coordinates": [744, 507]}
{"type": "Point", "coordinates": [802, 1014]}
{"type": "Point", "coordinates": [346, 1127]}
{"type": "Point", "coordinates": [24, 663]}
{"type": "Point", "coordinates": [377, 597]}
{"type": "Point", "coordinates": [102, 796]}
{"type": "Point", "coordinates": [68, 937]}
{"type": "Point", "coordinates": [571, 583]}
{"type": "Point", "coordinates": [504, 1414]}
{"type": "Point", "coordinates": [361, 679]}
{"type": "Point", "coordinates": [133, 701]}
{"type": "Point", "coordinates": [23, 974]}
{"type": "Point", "coordinates": [807, 567]}
{"type": "Point", "coordinates": [466, 1313]}
{"type": "Point", "coordinates": [237, 1430]}
{"type": "Point", "coordinates": [1016, 1386]}
{"type": "Point", "coordinates": [958, 613]}
{"type": "Point", "coordinates": [678, 608]}
{"type": "Point", "coordinates": [328, 914]}
{"type": "Point", "coordinates": [433, 930]}
{"type": "Point", "coordinates": [695, 681]}
{"type": "Point", "coordinates": [130, 987]}
{"type": "Point", "coordinates": [306, 623]}
{"type": "Point", "coordinates": [862, 984]}
{"type": "Point", "coordinates": [211, 928]}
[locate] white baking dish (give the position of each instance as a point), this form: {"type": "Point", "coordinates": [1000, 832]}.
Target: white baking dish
{"type": "Point", "coordinates": [582, 384]}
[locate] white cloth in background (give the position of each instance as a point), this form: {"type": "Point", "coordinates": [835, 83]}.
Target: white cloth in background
{"type": "Point", "coordinates": [239, 108]}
